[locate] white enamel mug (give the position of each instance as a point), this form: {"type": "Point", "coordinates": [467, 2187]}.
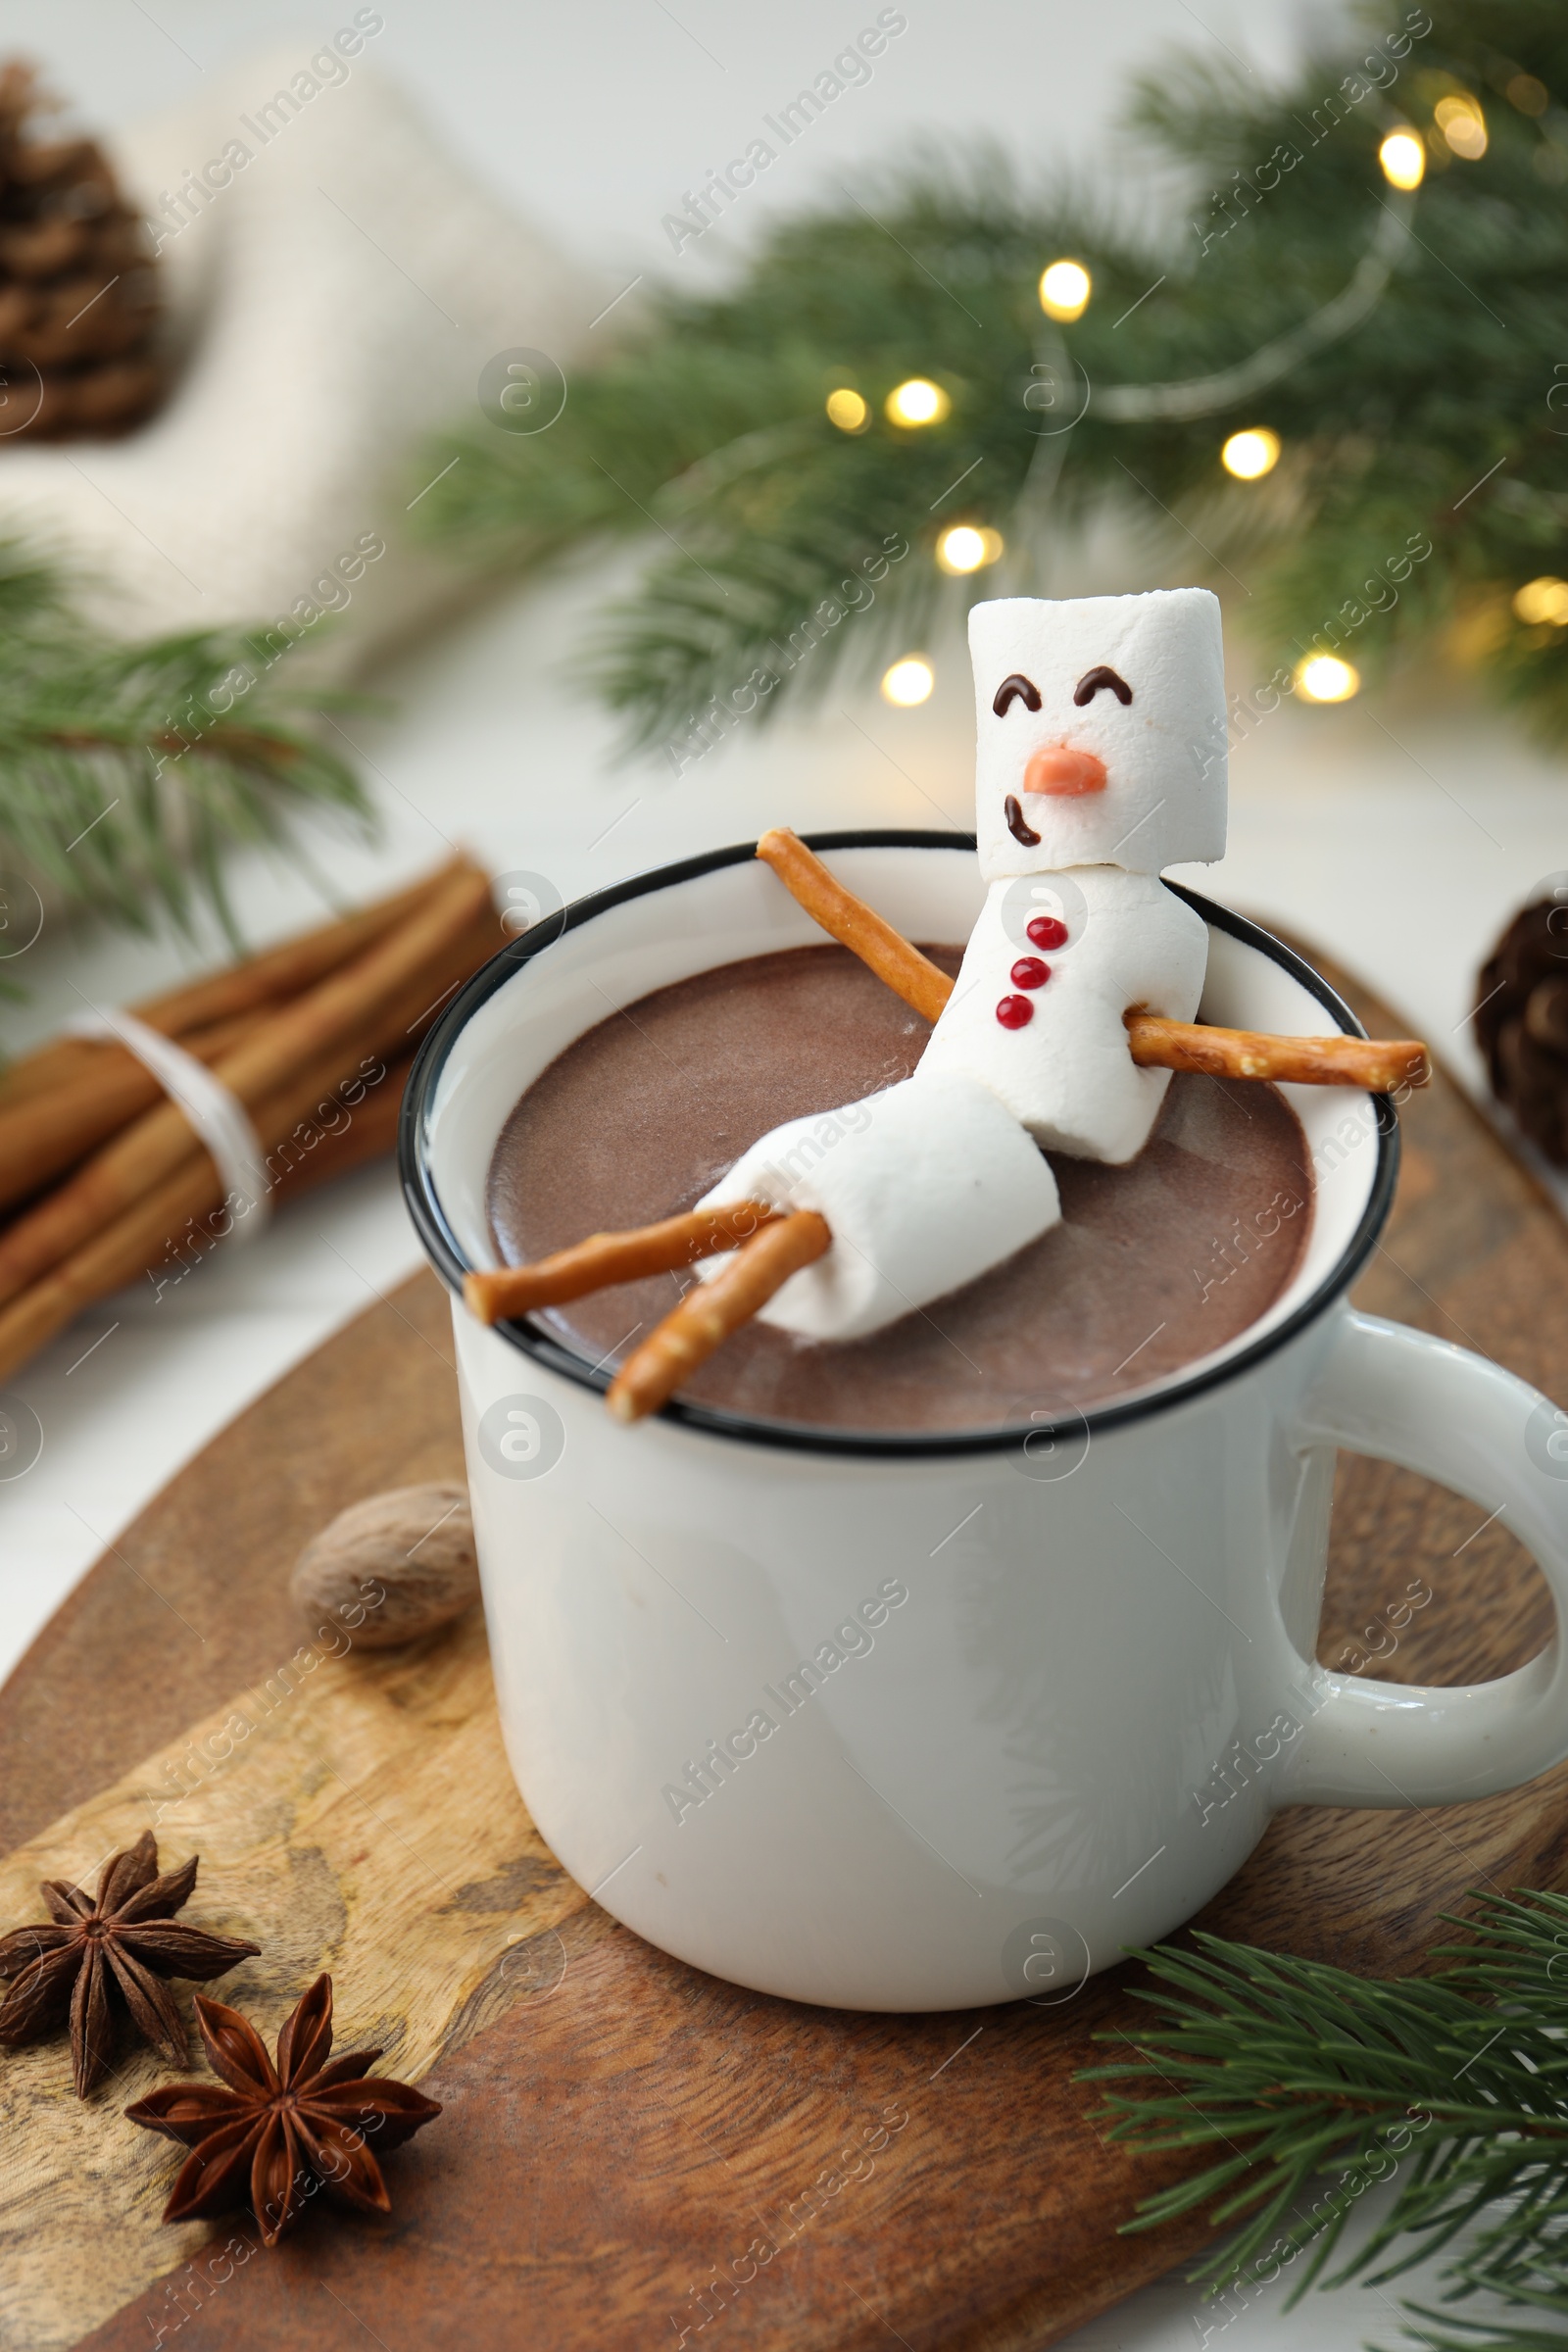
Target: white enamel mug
{"type": "Point", "coordinates": [925, 1722]}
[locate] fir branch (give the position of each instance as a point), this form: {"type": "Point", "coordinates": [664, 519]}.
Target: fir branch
{"type": "Point", "coordinates": [127, 769]}
{"type": "Point", "coordinates": [1452, 2088]}
{"type": "Point", "coordinates": [1447, 2333]}
{"type": "Point", "coordinates": [1425, 477]}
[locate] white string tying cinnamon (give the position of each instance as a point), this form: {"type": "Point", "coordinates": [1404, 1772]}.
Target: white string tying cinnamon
{"type": "Point", "coordinates": [217, 1117]}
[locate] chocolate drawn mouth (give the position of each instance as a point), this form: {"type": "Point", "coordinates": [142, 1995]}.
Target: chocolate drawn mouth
{"type": "Point", "coordinates": [1021, 832]}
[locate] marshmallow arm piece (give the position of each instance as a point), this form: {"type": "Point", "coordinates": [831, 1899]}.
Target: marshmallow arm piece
{"type": "Point", "coordinates": [1068, 1074]}
{"type": "Point", "coordinates": [924, 1187]}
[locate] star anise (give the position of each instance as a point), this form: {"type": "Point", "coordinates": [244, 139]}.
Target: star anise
{"type": "Point", "coordinates": [127, 1939]}
{"type": "Point", "coordinates": [279, 2134]}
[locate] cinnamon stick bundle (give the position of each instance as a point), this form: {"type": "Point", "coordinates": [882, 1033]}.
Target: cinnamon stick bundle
{"type": "Point", "coordinates": [293, 966]}
{"type": "Point", "coordinates": [348, 1004]}
{"type": "Point", "coordinates": [54, 1127]}
{"type": "Point", "coordinates": [267, 979]}
{"type": "Point", "coordinates": [166, 1228]}
{"type": "Point", "coordinates": [314, 1037]}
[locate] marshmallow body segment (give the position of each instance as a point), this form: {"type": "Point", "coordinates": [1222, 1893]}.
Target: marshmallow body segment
{"type": "Point", "coordinates": [924, 1187]}
{"type": "Point", "coordinates": [1162, 748]}
{"type": "Point", "coordinates": [1068, 1072]}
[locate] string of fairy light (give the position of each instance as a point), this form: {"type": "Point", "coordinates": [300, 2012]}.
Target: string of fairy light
{"type": "Point", "coordinates": [1457, 130]}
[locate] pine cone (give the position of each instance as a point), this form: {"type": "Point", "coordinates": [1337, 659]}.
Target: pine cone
{"type": "Point", "coordinates": [1522, 1020]}
{"type": "Point", "coordinates": [78, 299]}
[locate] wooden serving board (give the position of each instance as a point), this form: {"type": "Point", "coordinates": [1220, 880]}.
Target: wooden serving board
{"type": "Point", "coordinates": [632, 2153]}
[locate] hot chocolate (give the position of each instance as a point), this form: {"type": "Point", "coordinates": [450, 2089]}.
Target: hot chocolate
{"type": "Point", "coordinates": [1154, 1264]}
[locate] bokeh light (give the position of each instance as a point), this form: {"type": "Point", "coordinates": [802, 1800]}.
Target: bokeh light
{"type": "Point", "coordinates": [1463, 126]}
{"type": "Point", "coordinates": [1542, 600]}
{"type": "Point", "coordinates": [1251, 454]}
{"type": "Point", "coordinates": [1403, 159]}
{"type": "Point", "coordinates": [908, 681]}
{"type": "Point", "coordinates": [1325, 678]}
{"type": "Point", "coordinates": [968, 547]}
{"type": "Point", "coordinates": [1065, 290]}
{"type": "Point", "coordinates": [848, 410]}
{"type": "Point", "coordinates": [917, 402]}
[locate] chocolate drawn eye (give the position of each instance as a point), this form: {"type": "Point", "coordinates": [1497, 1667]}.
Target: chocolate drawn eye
{"type": "Point", "coordinates": [1016, 689]}
{"type": "Point", "coordinates": [1091, 682]}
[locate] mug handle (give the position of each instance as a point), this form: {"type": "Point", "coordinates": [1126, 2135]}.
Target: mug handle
{"type": "Point", "coordinates": [1403, 1396]}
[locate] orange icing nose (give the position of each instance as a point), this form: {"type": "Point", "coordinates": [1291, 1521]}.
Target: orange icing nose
{"type": "Point", "coordinates": [1063, 771]}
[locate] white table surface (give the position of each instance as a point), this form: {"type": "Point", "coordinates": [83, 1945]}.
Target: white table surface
{"type": "Point", "coordinates": [1397, 832]}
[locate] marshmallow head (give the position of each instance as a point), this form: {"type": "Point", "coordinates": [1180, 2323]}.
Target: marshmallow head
{"type": "Point", "coordinates": [1100, 732]}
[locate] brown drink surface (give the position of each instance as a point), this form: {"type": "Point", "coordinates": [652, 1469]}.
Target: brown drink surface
{"type": "Point", "coordinates": [1153, 1264]}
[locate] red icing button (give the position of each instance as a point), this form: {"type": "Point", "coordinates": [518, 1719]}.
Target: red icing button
{"type": "Point", "coordinates": [1030, 972]}
{"type": "Point", "coordinates": [1046, 931]}
{"type": "Point", "coordinates": [1015, 1012]}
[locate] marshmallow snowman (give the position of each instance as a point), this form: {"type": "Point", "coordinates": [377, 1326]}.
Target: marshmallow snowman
{"type": "Point", "coordinates": [1101, 760]}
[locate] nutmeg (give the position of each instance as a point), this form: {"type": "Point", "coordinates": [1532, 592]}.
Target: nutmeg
{"type": "Point", "coordinates": [392, 1567]}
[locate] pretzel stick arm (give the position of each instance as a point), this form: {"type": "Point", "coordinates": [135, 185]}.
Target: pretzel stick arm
{"type": "Point", "coordinates": [604, 1258]}
{"type": "Point", "coordinates": [711, 1311]}
{"type": "Point", "coordinates": [1379, 1064]}
{"type": "Point", "coordinates": [853, 924]}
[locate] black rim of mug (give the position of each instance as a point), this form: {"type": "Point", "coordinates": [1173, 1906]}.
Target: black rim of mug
{"type": "Point", "coordinates": [532, 1340]}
